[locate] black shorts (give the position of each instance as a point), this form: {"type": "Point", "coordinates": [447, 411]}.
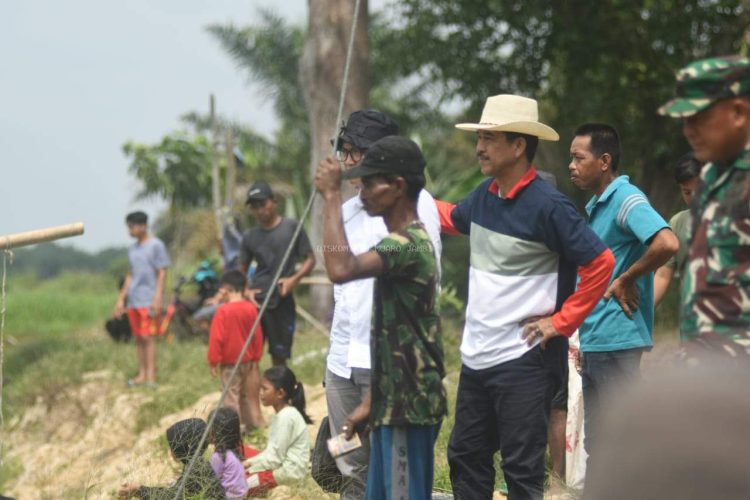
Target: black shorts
{"type": "Point", "coordinates": [278, 327]}
{"type": "Point", "coordinates": [556, 361]}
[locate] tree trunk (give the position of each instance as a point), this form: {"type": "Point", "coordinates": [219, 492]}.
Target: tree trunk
{"type": "Point", "coordinates": [321, 75]}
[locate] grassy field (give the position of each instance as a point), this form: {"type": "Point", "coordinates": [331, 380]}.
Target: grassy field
{"type": "Point", "coordinates": [55, 334]}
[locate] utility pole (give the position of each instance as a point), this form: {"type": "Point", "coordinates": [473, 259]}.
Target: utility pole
{"type": "Point", "coordinates": [215, 191]}
{"type": "Point", "coordinates": [231, 179]}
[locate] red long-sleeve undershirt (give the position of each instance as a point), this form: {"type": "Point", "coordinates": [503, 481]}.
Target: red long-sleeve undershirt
{"type": "Point", "coordinates": [593, 279]}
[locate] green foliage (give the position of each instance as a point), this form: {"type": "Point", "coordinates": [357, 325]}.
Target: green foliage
{"type": "Point", "coordinates": [48, 260]}
{"type": "Point", "coordinates": [269, 53]}
{"type": "Point", "coordinates": [10, 469]}
{"type": "Point", "coordinates": [49, 338]}
{"type": "Point", "coordinates": [183, 377]}
{"type": "Point", "coordinates": [611, 61]}
{"type": "Point", "coordinates": [177, 169]}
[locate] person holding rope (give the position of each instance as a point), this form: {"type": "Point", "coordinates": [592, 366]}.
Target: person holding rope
{"type": "Point", "coordinates": [528, 241]}
{"type": "Point", "coordinates": [713, 102]}
{"type": "Point", "coordinates": [407, 401]}
{"type": "Point", "coordinates": [348, 364]}
{"type": "Point", "coordinates": [266, 244]}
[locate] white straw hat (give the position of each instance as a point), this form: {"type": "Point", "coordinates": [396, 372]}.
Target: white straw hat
{"type": "Point", "coordinates": [512, 113]}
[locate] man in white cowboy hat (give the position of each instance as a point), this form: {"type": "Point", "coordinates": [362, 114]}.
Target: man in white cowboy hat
{"type": "Point", "coordinates": [528, 242]}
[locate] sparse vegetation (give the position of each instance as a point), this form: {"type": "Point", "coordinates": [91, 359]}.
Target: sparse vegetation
{"type": "Point", "coordinates": [56, 335]}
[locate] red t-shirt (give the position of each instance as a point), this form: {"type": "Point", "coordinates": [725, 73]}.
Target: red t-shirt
{"type": "Point", "coordinates": [229, 330]}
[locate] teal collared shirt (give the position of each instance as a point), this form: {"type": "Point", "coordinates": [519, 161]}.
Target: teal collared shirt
{"type": "Point", "coordinates": [626, 222]}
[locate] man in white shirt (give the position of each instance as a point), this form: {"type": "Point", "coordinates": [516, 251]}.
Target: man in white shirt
{"type": "Point", "coordinates": [348, 364]}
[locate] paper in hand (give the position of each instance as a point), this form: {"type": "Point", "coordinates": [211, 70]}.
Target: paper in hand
{"type": "Point", "coordinates": [338, 445]}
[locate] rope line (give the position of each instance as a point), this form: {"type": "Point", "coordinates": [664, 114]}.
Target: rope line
{"type": "Point", "coordinates": [7, 256]}
{"type": "Point", "coordinates": [287, 254]}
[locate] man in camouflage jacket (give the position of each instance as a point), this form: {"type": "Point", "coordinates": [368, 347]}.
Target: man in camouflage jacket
{"type": "Point", "coordinates": [406, 402]}
{"type": "Point", "coordinates": [713, 101]}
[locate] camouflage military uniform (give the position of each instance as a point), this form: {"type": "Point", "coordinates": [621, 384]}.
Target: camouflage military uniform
{"type": "Point", "coordinates": [716, 289]}
{"type": "Point", "coordinates": [406, 343]}
{"type": "Point", "coordinates": [716, 284]}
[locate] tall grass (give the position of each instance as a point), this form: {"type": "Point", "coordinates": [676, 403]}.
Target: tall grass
{"type": "Point", "coordinates": [54, 334]}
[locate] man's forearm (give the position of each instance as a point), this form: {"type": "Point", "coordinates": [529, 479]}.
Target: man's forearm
{"type": "Point", "coordinates": [662, 278]}
{"type": "Point", "coordinates": [161, 280]}
{"type": "Point", "coordinates": [306, 268]}
{"type": "Point", "coordinates": [124, 290]}
{"type": "Point", "coordinates": [662, 247]}
{"type": "Point", "coordinates": [338, 257]}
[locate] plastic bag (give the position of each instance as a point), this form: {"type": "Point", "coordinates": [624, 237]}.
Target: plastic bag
{"type": "Point", "coordinates": [324, 470]}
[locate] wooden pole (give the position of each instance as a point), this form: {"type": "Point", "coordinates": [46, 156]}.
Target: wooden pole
{"type": "Point", "coordinates": [16, 240]}
{"type": "Point", "coordinates": [215, 191]}
{"type": "Point", "coordinates": [231, 180]}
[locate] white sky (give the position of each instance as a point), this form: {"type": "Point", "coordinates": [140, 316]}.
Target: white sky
{"type": "Point", "coordinates": [79, 78]}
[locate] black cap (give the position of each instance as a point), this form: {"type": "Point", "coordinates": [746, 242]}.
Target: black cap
{"type": "Point", "coordinates": [258, 192]}
{"type": "Point", "coordinates": [365, 127]}
{"type": "Point", "coordinates": [390, 155]}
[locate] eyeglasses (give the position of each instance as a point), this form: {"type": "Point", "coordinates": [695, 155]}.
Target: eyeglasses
{"type": "Point", "coordinates": [353, 153]}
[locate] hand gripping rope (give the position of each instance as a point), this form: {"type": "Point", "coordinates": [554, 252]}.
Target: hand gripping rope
{"type": "Point", "coordinates": [264, 305]}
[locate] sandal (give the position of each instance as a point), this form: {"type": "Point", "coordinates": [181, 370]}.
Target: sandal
{"type": "Point", "coordinates": [132, 383]}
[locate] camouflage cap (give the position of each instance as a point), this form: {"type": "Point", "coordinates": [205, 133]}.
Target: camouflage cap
{"type": "Point", "coordinates": [702, 83]}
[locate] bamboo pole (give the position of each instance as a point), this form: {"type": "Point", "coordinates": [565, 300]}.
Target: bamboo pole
{"type": "Point", "coordinates": [311, 319]}
{"type": "Point", "coordinates": [16, 240]}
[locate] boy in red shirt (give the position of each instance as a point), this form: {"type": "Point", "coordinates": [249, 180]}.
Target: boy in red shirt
{"type": "Point", "coordinates": [229, 330]}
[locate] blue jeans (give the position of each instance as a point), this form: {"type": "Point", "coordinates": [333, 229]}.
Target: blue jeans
{"type": "Point", "coordinates": [603, 375]}
{"type": "Point", "coordinates": [402, 462]}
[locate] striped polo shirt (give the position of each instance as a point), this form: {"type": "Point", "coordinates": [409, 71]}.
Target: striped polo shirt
{"type": "Point", "coordinates": [625, 220]}
{"type": "Point", "coordinates": [525, 251]}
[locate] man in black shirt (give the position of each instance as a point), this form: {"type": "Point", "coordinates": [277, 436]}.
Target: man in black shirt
{"type": "Point", "coordinates": [266, 244]}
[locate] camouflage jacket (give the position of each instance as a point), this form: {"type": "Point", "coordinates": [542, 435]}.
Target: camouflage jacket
{"type": "Point", "coordinates": [716, 284]}
{"type": "Point", "coordinates": [406, 342]}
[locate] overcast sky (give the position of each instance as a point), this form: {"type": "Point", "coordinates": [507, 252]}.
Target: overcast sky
{"type": "Point", "coordinates": [81, 77]}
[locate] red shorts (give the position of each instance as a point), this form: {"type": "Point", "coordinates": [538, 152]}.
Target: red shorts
{"type": "Point", "coordinates": [259, 482]}
{"type": "Point", "coordinates": [142, 324]}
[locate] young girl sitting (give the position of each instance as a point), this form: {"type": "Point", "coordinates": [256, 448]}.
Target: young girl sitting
{"type": "Point", "coordinates": [183, 439]}
{"type": "Point", "coordinates": [288, 451]}
{"type": "Point", "coordinates": [228, 455]}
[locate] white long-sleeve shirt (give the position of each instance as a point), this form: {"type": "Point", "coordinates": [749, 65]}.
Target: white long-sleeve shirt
{"type": "Point", "coordinates": [352, 314]}
{"type": "Point", "coordinates": [288, 450]}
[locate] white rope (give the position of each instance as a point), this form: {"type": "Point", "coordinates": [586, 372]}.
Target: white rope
{"type": "Point", "coordinates": [280, 269]}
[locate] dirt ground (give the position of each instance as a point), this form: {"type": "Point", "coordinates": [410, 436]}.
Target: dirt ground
{"type": "Point", "coordinates": [87, 445]}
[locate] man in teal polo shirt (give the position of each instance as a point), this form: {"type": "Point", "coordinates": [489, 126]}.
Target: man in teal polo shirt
{"type": "Point", "coordinates": [619, 329]}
